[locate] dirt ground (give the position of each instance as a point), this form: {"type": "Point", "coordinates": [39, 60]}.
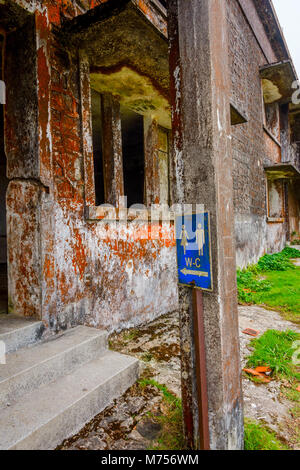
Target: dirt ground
{"type": "Point", "coordinates": [265, 402]}
{"type": "Point", "coordinates": [127, 425]}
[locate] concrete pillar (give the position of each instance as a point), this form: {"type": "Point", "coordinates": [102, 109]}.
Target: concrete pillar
{"type": "Point", "coordinates": [151, 161]}
{"type": "Point", "coordinates": [112, 149]}
{"type": "Point", "coordinates": [202, 172]}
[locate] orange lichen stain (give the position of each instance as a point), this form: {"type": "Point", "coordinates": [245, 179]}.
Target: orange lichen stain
{"type": "Point", "coordinates": [64, 288]}
{"type": "Point", "coordinates": [145, 9]}
{"type": "Point", "coordinates": [48, 269]}
{"type": "Point", "coordinates": [54, 14]}
{"type": "Point", "coordinates": [79, 258]}
{"type": "Point", "coordinates": [43, 97]}
{"type": "Point", "coordinates": [95, 3]}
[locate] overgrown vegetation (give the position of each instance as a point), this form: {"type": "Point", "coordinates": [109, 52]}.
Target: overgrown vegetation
{"type": "Point", "coordinates": [291, 394]}
{"type": "Point", "coordinates": [295, 238]}
{"type": "Point", "coordinates": [277, 262]}
{"type": "Point", "coordinates": [250, 284]}
{"type": "Point", "coordinates": [273, 282]}
{"type": "Point", "coordinates": [171, 435]}
{"type": "Point", "coordinates": [258, 437]}
{"type": "Point", "coordinates": [275, 350]}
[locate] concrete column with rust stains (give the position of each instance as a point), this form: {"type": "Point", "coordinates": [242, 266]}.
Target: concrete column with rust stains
{"type": "Point", "coordinates": [86, 123]}
{"type": "Point", "coordinates": [202, 173]}
{"type": "Point", "coordinates": [151, 161]}
{"type": "Point", "coordinates": [112, 149]}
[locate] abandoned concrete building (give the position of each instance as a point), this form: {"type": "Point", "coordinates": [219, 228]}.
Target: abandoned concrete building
{"type": "Point", "coordinates": [90, 90]}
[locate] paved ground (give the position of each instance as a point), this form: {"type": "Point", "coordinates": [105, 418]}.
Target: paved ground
{"type": "Point", "coordinates": [126, 424]}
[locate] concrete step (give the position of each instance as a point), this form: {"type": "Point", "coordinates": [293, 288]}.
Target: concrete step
{"type": "Point", "coordinates": [27, 369]}
{"type": "Point", "coordinates": [48, 415]}
{"type": "Point", "coordinates": [19, 332]}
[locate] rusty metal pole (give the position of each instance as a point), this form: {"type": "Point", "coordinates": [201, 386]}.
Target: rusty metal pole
{"type": "Point", "coordinates": [201, 373]}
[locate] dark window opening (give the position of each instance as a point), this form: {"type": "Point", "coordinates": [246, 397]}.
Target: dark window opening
{"type": "Point", "coordinates": [97, 148]}
{"type": "Point", "coordinates": [272, 119]}
{"type": "Point", "coordinates": [133, 156]}
{"type": "Point", "coordinates": [275, 199]}
{"type": "Point", "coordinates": [3, 189]}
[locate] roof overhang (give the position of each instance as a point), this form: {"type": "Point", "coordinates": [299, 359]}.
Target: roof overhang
{"type": "Point", "coordinates": [282, 171]}
{"type": "Point", "coordinates": [277, 81]}
{"type": "Point", "coordinates": [128, 56]}
{"type": "Point", "coordinates": [268, 16]}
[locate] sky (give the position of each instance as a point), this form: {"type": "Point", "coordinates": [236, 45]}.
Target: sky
{"type": "Point", "coordinates": [288, 12]}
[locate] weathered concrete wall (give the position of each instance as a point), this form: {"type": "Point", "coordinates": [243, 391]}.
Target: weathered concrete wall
{"type": "Point", "coordinates": [102, 281]}
{"type": "Point", "coordinates": [294, 206]}
{"type": "Point", "coordinates": [74, 272]}
{"type": "Point", "coordinates": [23, 234]}
{"type": "Point", "coordinates": [98, 280]}
{"type": "Point", "coordinates": [252, 146]}
{"type": "Point", "coordinates": [62, 267]}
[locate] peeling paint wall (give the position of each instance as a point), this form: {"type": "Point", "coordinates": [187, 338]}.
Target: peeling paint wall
{"type": "Point", "coordinates": [255, 143]}
{"type": "Point", "coordinates": [64, 267]}
{"type": "Point", "coordinates": [294, 207]}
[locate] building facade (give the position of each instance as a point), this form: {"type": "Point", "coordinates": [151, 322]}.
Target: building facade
{"type": "Point", "coordinates": [87, 121]}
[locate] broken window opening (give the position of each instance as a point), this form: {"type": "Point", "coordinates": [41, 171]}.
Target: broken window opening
{"type": "Point", "coordinates": [275, 195]}
{"type": "Point", "coordinates": [3, 189]}
{"type": "Point", "coordinates": [133, 156]}
{"type": "Point", "coordinates": [97, 148]}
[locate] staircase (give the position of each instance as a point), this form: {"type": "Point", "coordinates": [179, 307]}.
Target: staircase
{"type": "Point", "coordinates": [50, 389]}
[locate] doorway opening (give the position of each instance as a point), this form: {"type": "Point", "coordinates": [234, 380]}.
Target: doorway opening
{"type": "Point", "coordinates": [3, 189]}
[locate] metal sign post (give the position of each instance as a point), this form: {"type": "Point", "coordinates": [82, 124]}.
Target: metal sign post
{"type": "Point", "coordinates": [195, 271]}
{"type": "Point", "coordinates": [200, 360]}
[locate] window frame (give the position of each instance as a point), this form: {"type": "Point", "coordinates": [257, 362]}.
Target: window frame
{"type": "Point", "coordinates": [271, 219]}
{"type": "Point", "coordinates": [151, 157]}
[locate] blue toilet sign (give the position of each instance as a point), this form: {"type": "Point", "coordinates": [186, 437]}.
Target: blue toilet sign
{"type": "Point", "coordinates": [194, 251]}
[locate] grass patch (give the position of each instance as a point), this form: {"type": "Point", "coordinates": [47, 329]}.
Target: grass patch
{"type": "Point", "coordinates": [295, 412]}
{"type": "Point", "coordinates": [284, 294]}
{"type": "Point", "coordinates": [258, 437]}
{"type": "Point", "coordinates": [147, 357]}
{"type": "Point", "coordinates": [249, 285]}
{"type": "Point", "coordinates": [171, 436]}
{"type": "Point", "coordinates": [275, 350]}
{"type": "Point", "coordinates": [291, 394]}
{"type": "Point", "coordinates": [169, 397]}
{"type": "Point", "coordinates": [131, 335]}
{"type": "Point", "coordinates": [273, 282]}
